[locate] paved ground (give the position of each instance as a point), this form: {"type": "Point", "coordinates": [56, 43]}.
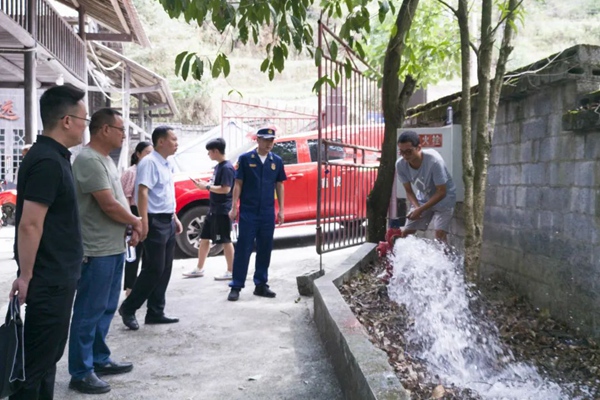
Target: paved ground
{"type": "Point", "coordinates": [253, 349]}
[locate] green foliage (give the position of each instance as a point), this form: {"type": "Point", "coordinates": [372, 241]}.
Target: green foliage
{"type": "Point", "coordinates": [432, 51]}
{"type": "Point", "coordinates": [287, 21]}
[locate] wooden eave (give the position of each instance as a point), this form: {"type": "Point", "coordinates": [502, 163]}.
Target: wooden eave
{"type": "Point", "coordinates": [143, 81]}
{"type": "Point", "coordinates": [109, 12]}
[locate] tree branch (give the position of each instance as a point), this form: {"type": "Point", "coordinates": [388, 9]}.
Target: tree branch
{"type": "Point", "coordinates": [454, 10]}
{"type": "Point", "coordinates": [509, 16]}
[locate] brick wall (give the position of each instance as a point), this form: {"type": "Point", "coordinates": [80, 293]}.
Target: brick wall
{"type": "Point", "coordinates": [543, 195]}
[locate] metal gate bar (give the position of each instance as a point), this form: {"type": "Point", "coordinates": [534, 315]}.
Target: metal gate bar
{"type": "Point", "coordinates": [350, 138]}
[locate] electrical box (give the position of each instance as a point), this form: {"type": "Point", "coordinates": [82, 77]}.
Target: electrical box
{"type": "Point", "coordinates": [446, 140]}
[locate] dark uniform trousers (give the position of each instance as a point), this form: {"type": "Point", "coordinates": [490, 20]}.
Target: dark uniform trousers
{"type": "Point", "coordinates": [259, 228]}
{"type": "Point", "coordinates": [157, 262]}
{"type": "Point", "coordinates": [47, 317]}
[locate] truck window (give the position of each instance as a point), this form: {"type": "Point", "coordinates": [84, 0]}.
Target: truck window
{"type": "Point", "coordinates": [287, 151]}
{"type": "Point", "coordinates": [333, 152]}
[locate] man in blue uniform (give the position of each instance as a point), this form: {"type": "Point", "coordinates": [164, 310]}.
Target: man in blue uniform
{"type": "Point", "coordinates": [259, 177]}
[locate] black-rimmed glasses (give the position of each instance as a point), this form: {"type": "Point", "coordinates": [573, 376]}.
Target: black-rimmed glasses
{"type": "Point", "coordinates": [407, 152]}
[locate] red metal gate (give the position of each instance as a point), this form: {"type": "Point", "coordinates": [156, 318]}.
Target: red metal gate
{"type": "Point", "coordinates": [350, 136]}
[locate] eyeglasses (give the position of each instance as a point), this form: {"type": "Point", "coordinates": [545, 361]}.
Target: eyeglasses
{"type": "Point", "coordinates": [87, 121]}
{"type": "Point", "coordinates": [121, 128]}
{"type": "Point", "coordinates": [407, 152]}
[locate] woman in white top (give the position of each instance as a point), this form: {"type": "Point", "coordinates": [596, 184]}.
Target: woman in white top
{"type": "Point", "coordinates": [128, 181]}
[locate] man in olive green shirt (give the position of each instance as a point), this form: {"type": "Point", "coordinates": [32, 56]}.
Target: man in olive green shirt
{"type": "Point", "coordinates": [105, 215]}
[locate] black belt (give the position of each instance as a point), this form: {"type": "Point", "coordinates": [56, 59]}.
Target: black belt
{"type": "Point", "coordinates": [162, 216]}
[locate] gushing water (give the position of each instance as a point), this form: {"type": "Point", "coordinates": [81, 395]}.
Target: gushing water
{"type": "Point", "coordinates": [458, 347]}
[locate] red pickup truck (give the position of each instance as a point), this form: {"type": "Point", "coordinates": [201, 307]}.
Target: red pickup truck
{"type": "Point", "coordinates": [299, 154]}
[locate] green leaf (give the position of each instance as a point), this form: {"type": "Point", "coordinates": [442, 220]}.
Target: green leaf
{"type": "Point", "coordinates": [278, 60]}
{"type": "Point", "coordinates": [384, 7]}
{"type": "Point", "coordinates": [264, 65]}
{"type": "Point", "coordinates": [216, 68]}
{"type": "Point", "coordinates": [185, 69]}
{"type": "Point", "coordinates": [271, 72]}
{"type": "Point", "coordinates": [317, 86]}
{"type": "Point", "coordinates": [197, 69]}
{"type": "Point", "coordinates": [336, 77]}
{"type": "Point", "coordinates": [318, 56]}
{"type": "Point", "coordinates": [359, 49]}
{"type": "Point", "coordinates": [235, 91]}
{"type": "Point", "coordinates": [225, 65]}
{"type": "Point", "coordinates": [179, 60]}
{"type": "Point", "coordinates": [348, 68]}
{"type": "Point", "coordinates": [333, 50]}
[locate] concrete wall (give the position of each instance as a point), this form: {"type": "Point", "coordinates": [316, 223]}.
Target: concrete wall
{"type": "Point", "coordinates": [543, 195]}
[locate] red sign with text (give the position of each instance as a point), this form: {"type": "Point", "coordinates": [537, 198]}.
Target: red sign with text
{"type": "Point", "coordinates": [431, 140]}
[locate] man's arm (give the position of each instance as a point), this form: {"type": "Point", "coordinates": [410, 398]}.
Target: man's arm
{"type": "Point", "coordinates": [237, 190]}
{"type": "Point", "coordinates": [31, 228]}
{"type": "Point", "coordinates": [142, 204]}
{"type": "Point", "coordinates": [115, 210]}
{"type": "Point", "coordinates": [410, 195]}
{"type": "Point", "coordinates": [280, 197]}
{"type": "Point", "coordinates": [213, 188]}
{"type": "Point", "coordinates": [440, 193]}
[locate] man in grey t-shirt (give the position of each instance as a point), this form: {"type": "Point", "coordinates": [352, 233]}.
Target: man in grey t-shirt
{"type": "Point", "coordinates": [104, 213]}
{"type": "Point", "coordinates": [434, 194]}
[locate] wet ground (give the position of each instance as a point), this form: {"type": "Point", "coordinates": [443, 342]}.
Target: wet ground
{"type": "Point", "coordinates": [558, 352]}
{"type": "Point", "coordinates": [255, 348]}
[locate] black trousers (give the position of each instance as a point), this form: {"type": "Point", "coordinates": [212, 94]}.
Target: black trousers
{"type": "Point", "coordinates": [47, 317]}
{"type": "Point", "coordinates": [131, 268]}
{"type": "Point", "coordinates": [157, 260]}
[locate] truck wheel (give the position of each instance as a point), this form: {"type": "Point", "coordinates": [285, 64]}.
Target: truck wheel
{"type": "Point", "coordinates": [8, 209]}
{"type": "Point", "coordinates": [192, 221]}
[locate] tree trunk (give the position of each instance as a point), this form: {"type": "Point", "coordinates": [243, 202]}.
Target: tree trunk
{"type": "Point", "coordinates": [467, 140]}
{"type": "Point", "coordinates": [394, 111]}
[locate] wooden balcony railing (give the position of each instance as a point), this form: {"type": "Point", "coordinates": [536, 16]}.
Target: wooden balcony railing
{"type": "Point", "coordinates": [53, 32]}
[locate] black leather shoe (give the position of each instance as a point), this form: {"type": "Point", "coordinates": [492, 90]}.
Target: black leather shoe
{"type": "Point", "coordinates": [234, 295]}
{"type": "Point", "coordinates": [160, 320]}
{"type": "Point", "coordinates": [113, 368]}
{"type": "Point", "coordinates": [91, 384]}
{"type": "Point", "coordinates": [264, 291]}
{"type": "Point", "coordinates": [129, 320]}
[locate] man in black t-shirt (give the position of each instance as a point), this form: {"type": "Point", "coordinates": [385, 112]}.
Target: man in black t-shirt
{"type": "Point", "coordinates": [48, 246]}
{"type": "Point", "coordinates": [217, 225]}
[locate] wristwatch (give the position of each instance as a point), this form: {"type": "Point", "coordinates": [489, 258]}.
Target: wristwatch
{"type": "Point", "coordinates": [208, 187]}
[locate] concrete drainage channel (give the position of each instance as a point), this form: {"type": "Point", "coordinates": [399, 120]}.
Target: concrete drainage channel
{"type": "Point", "coordinates": [362, 369]}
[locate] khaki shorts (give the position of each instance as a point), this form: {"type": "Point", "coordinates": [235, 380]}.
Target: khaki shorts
{"type": "Point", "coordinates": [440, 220]}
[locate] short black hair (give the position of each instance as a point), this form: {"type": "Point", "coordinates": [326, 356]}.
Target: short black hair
{"type": "Point", "coordinates": [141, 146]}
{"type": "Point", "coordinates": [216, 144]}
{"type": "Point", "coordinates": [104, 116]}
{"type": "Point", "coordinates": [160, 132]}
{"type": "Point", "coordinates": [57, 102]}
{"type": "Point", "coordinates": [409, 137]}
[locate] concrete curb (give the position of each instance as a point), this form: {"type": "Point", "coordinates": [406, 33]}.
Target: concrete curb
{"type": "Point", "coordinates": [362, 369]}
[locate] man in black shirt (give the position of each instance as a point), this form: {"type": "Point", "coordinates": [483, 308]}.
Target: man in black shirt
{"type": "Point", "coordinates": [217, 225]}
{"type": "Point", "coordinates": [48, 246]}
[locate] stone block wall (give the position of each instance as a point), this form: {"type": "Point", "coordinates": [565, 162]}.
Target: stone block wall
{"type": "Point", "coordinates": [541, 219]}
{"type": "Point", "coordinates": [542, 213]}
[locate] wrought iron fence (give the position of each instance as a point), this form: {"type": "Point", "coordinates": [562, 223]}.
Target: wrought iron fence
{"type": "Point", "coordinates": [350, 137]}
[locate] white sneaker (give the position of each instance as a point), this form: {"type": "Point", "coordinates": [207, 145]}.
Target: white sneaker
{"type": "Point", "coordinates": [196, 273]}
{"type": "Point", "coordinates": [225, 277]}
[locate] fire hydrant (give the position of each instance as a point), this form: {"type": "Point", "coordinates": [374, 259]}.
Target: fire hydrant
{"type": "Point", "coordinates": [386, 247]}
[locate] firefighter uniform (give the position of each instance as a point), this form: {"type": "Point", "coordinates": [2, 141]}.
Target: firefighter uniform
{"type": "Point", "coordinates": [256, 216]}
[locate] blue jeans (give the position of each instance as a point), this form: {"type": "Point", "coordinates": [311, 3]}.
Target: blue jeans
{"type": "Point", "coordinates": [95, 305]}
